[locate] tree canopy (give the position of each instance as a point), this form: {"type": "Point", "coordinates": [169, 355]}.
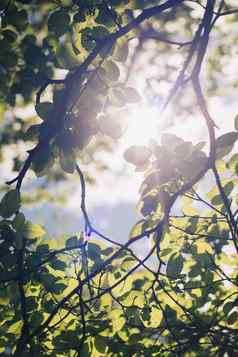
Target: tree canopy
{"type": "Point", "coordinates": [76, 62]}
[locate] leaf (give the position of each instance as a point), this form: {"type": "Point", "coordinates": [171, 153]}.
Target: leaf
{"type": "Point", "coordinates": [66, 59]}
{"type": "Point", "coordinates": [3, 4]}
{"type": "Point", "coordinates": [58, 22]}
{"type": "Point", "coordinates": [236, 122]}
{"type": "Point", "coordinates": [228, 307]}
{"type": "Point", "coordinates": [86, 351]}
{"type": "Point", "coordinates": [131, 95]}
{"type": "Point", "coordinates": [67, 161]}
{"type": "Point", "coordinates": [233, 161]}
{"type": "Point", "coordinates": [58, 288]}
{"type": "Point", "coordinates": [110, 126]}
{"type": "Point", "coordinates": [18, 19]}
{"type": "Point", "coordinates": [137, 229]}
{"type": "Point", "coordinates": [171, 141]}
{"type": "Point", "coordinates": [174, 265]}
{"type": "Point", "coordinates": [90, 36]}
{"type": "Point", "coordinates": [31, 230]}
{"type": "Point", "coordinates": [225, 143]}
{"type": "Point", "coordinates": [110, 71]}
{"type": "Point", "coordinates": [79, 16]}
{"type": "Point", "coordinates": [228, 188]}
{"type": "Point", "coordinates": [150, 204]}
{"type": "Point", "coordinates": [217, 200]}
{"type": "Point", "coordinates": [36, 319]}
{"type": "Point", "coordinates": [106, 16]}
{"type": "Point", "coordinates": [43, 160]}
{"type": "Point", "coordinates": [121, 52]}
{"type": "Point", "coordinates": [32, 133]}
{"type": "Point", "coordinates": [232, 318]}
{"type": "Point", "coordinates": [94, 251]}
{"type": "Point", "coordinates": [18, 221]}
{"type": "Point", "coordinates": [100, 343]}
{"type": "Point", "coordinates": [44, 110]}
{"type": "Point", "coordinates": [71, 242]}
{"type": "Point", "coordinates": [9, 35]}
{"type": "Point", "coordinates": [58, 265]}
{"type": "Point", "coordinates": [184, 149]}
{"type": "Point", "coordinates": [137, 155]}
{"type": "Point", "coordinates": [117, 97]}
{"type": "Point", "coordinates": [10, 203]}
{"type": "Point", "coordinates": [18, 240]}
{"type": "Point", "coordinates": [31, 303]}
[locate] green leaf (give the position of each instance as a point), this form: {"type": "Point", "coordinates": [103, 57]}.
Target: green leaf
{"type": "Point", "coordinates": [225, 143]}
{"type": "Point", "coordinates": [110, 126]}
{"type": "Point", "coordinates": [58, 265]}
{"type": "Point", "coordinates": [71, 242]}
{"type": "Point", "coordinates": [10, 35]}
{"type": "Point", "coordinates": [101, 344]}
{"type": "Point", "coordinates": [236, 122]}
{"type": "Point", "coordinates": [226, 139]}
{"type": "Point", "coordinates": [18, 240]}
{"type": "Point", "coordinates": [18, 19]}
{"type": "Point", "coordinates": [58, 288]}
{"type": "Point", "coordinates": [117, 97]}
{"type": "Point", "coordinates": [137, 229]}
{"type": "Point", "coordinates": [67, 161]}
{"type": "Point", "coordinates": [150, 204]}
{"type": "Point", "coordinates": [36, 319]}
{"type": "Point", "coordinates": [43, 160]}
{"type": "Point", "coordinates": [174, 265]}
{"type": "Point", "coordinates": [184, 150]}
{"type": "Point", "coordinates": [3, 4]}
{"type": "Point", "coordinates": [90, 36]}
{"type": "Point", "coordinates": [44, 110]}
{"type": "Point", "coordinates": [217, 200]}
{"type": "Point", "coordinates": [121, 52]}
{"type": "Point", "coordinates": [31, 303]}
{"type": "Point", "coordinates": [106, 17]}
{"type": "Point", "coordinates": [137, 155]}
{"type": "Point", "coordinates": [86, 351]}
{"type": "Point", "coordinates": [94, 251]}
{"type": "Point", "coordinates": [32, 133]}
{"type": "Point", "coordinates": [232, 318]}
{"type": "Point", "coordinates": [110, 71]}
{"type": "Point", "coordinates": [228, 307]}
{"type": "Point", "coordinates": [66, 59]}
{"type": "Point", "coordinates": [31, 230]}
{"type": "Point", "coordinates": [170, 141]}
{"type": "Point", "coordinates": [79, 16]}
{"type": "Point", "coordinates": [131, 95]}
{"type": "Point", "coordinates": [58, 22]}
{"type": "Point", "coordinates": [228, 188]}
{"type": "Point", "coordinates": [18, 221]}
{"type": "Point", "coordinates": [10, 203]}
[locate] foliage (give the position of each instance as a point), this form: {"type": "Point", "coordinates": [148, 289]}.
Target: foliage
{"type": "Point", "coordinates": [86, 295]}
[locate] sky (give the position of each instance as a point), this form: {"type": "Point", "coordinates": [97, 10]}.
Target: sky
{"type": "Point", "coordinates": [112, 201]}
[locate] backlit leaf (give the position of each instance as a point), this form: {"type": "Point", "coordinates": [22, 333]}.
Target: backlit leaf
{"type": "Point", "coordinates": [137, 155]}
{"type": "Point", "coordinates": [10, 203]}
{"type": "Point", "coordinates": [31, 230]}
{"type": "Point", "coordinates": [174, 265]}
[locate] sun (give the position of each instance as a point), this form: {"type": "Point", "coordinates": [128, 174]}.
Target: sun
{"type": "Point", "coordinates": [143, 124]}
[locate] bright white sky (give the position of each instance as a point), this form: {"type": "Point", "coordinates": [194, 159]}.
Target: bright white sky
{"type": "Point", "coordinates": [112, 202]}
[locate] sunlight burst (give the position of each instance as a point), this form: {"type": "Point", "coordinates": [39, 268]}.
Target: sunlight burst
{"type": "Point", "coordinates": [143, 124]}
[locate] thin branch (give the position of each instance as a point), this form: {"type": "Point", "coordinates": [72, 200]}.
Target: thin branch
{"type": "Point", "coordinates": [25, 330]}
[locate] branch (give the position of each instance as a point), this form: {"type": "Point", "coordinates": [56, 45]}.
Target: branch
{"type": "Point", "coordinates": [231, 220]}
{"type": "Point", "coordinates": [25, 330]}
